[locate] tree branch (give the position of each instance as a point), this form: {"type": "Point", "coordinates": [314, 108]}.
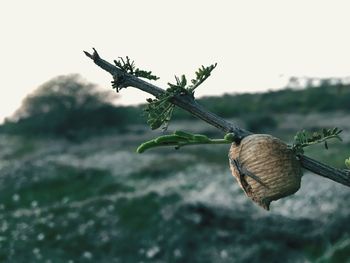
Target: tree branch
{"type": "Point", "coordinates": [339, 175]}
{"type": "Point", "coordinates": [187, 103]}
{"type": "Point", "coordinates": [183, 101]}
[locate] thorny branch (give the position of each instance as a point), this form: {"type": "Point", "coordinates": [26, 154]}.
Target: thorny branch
{"type": "Point", "coordinates": [186, 102]}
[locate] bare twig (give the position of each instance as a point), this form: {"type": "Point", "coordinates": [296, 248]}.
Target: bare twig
{"type": "Point", "coordinates": [341, 176]}
{"type": "Point", "coordinates": [187, 103]}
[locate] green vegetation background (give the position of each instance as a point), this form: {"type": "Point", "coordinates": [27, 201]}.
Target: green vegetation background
{"type": "Point", "coordinates": [72, 188]}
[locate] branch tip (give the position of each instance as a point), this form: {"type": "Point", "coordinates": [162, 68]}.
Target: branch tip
{"type": "Point", "coordinates": [87, 54]}
{"type": "Point", "coordinates": [94, 55]}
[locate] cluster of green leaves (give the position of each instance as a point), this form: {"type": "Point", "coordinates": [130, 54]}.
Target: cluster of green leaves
{"type": "Point", "coordinates": [201, 75]}
{"type": "Point", "coordinates": [181, 138]}
{"type": "Point", "coordinates": [304, 138]}
{"type": "Point", "coordinates": [129, 67]}
{"type": "Point", "coordinates": [160, 109]}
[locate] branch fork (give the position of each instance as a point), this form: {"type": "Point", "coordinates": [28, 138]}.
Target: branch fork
{"type": "Point", "coordinates": [94, 56]}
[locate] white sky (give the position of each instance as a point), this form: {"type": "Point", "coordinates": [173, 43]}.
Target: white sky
{"type": "Point", "coordinates": [257, 44]}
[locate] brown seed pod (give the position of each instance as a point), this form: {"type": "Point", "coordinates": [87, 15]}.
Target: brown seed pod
{"type": "Point", "coordinates": [265, 168]}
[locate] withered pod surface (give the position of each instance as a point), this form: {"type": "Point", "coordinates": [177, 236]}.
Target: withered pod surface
{"type": "Point", "coordinates": [265, 168]}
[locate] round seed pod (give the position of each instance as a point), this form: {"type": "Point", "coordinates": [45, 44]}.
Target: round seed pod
{"type": "Point", "coordinates": [265, 168]}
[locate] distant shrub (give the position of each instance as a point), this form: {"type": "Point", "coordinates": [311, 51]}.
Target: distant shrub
{"type": "Point", "coordinates": [260, 123]}
{"type": "Point", "coordinates": [312, 99]}
{"type": "Point", "coordinates": [70, 107]}
{"type": "Point", "coordinates": [63, 94]}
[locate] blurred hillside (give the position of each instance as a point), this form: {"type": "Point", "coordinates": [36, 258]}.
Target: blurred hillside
{"type": "Point", "coordinates": [69, 107]}
{"type": "Point", "coordinates": [73, 189]}
{"type": "Point", "coordinates": [306, 100]}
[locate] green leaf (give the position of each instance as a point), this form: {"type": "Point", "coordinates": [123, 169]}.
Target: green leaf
{"type": "Point", "coordinates": [179, 139]}
{"type": "Point", "coordinates": [347, 163]}
{"type": "Point", "coordinates": [160, 110]}
{"type": "Point", "coordinates": [304, 139]}
{"type": "Point", "coordinates": [129, 67]}
{"type": "Point", "coordinates": [231, 137]}
{"type": "Point", "coordinates": [145, 146]}
{"type": "Point", "coordinates": [201, 75]}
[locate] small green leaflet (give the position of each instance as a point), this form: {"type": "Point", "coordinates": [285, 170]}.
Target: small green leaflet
{"type": "Point", "coordinates": [129, 67]}
{"type": "Point", "coordinates": [347, 163]}
{"type": "Point", "coordinates": [304, 138]}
